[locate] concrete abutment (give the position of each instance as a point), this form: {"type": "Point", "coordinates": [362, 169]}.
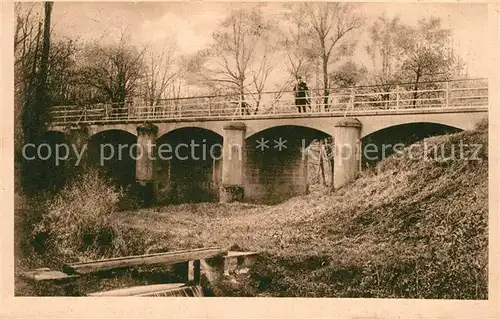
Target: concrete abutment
{"type": "Point", "coordinates": [233, 159]}
{"type": "Point", "coordinates": [145, 162]}
{"type": "Point", "coordinates": [347, 156]}
{"type": "Point", "coordinates": [78, 138]}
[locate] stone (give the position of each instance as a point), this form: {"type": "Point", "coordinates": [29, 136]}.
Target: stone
{"type": "Point", "coordinates": [231, 193]}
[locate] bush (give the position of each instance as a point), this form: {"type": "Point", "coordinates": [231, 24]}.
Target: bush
{"type": "Point", "coordinates": [29, 245]}
{"type": "Point", "coordinates": [79, 223]}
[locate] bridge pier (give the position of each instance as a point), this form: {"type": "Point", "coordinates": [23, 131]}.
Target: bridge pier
{"type": "Point", "coordinates": [78, 138]}
{"type": "Point", "coordinates": [145, 160]}
{"type": "Point", "coordinates": [233, 159]}
{"type": "Point", "coordinates": [347, 156]}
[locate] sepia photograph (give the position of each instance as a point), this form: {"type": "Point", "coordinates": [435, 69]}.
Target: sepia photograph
{"type": "Point", "coordinates": [251, 149]}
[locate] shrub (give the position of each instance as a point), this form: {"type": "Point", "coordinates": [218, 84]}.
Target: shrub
{"type": "Point", "coordinates": [79, 223]}
{"type": "Point", "coordinates": [29, 245]}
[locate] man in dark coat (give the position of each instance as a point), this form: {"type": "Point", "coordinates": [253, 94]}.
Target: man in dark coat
{"type": "Point", "coordinates": [301, 95]}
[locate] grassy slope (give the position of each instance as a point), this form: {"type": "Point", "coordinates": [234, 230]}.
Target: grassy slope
{"type": "Point", "coordinates": [413, 229]}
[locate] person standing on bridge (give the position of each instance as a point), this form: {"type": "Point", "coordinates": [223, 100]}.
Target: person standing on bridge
{"type": "Point", "coordinates": [301, 95]}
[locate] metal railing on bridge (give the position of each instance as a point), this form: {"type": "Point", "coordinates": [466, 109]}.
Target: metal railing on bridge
{"type": "Point", "coordinates": [390, 97]}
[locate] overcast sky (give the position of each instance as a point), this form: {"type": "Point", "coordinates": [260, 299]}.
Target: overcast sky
{"type": "Point", "coordinates": [191, 23]}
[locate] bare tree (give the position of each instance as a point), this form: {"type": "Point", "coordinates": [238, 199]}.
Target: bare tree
{"type": "Point", "coordinates": [25, 31]}
{"type": "Point", "coordinates": [161, 70]}
{"type": "Point", "coordinates": [114, 70]}
{"type": "Point", "coordinates": [32, 98]}
{"type": "Point", "coordinates": [259, 77]}
{"type": "Point", "coordinates": [60, 66]}
{"type": "Point", "coordinates": [384, 51]}
{"type": "Point", "coordinates": [383, 48]}
{"type": "Point", "coordinates": [295, 42]}
{"type": "Point", "coordinates": [34, 113]}
{"type": "Point", "coordinates": [27, 35]}
{"type": "Point", "coordinates": [426, 56]}
{"type": "Point", "coordinates": [410, 54]}
{"type": "Point", "coordinates": [240, 58]}
{"type": "Point", "coordinates": [329, 24]}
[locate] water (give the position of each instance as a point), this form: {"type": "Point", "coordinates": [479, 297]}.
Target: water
{"type": "Point", "coordinates": [211, 273]}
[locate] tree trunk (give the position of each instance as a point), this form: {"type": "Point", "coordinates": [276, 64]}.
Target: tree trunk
{"type": "Point", "coordinates": [122, 92]}
{"type": "Point", "coordinates": [325, 82]}
{"type": "Point", "coordinates": [330, 152]}
{"type": "Point", "coordinates": [321, 164]}
{"type": "Point", "coordinates": [36, 94]}
{"type": "Point", "coordinates": [35, 113]}
{"type": "Point", "coordinates": [42, 97]}
{"type": "Point", "coordinates": [415, 88]}
{"type": "Point", "coordinates": [242, 104]}
{"type": "Point", "coordinates": [28, 111]}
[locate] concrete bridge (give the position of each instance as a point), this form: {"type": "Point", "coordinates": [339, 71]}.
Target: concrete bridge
{"type": "Point", "coordinates": [214, 148]}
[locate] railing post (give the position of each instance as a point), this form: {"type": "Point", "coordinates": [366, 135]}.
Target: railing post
{"type": "Point", "coordinates": [352, 97]}
{"type": "Point", "coordinates": [397, 97]}
{"type": "Point", "coordinates": [447, 93]}
{"type": "Point", "coordinates": [241, 105]}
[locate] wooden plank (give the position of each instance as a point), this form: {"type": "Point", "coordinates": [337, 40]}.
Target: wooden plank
{"type": "Point", "coordinates": [239, 259]}
{"type": "Point", "coordinates": [240, 253]}
{"type": "Point", "coordinates": [197, 271]}
{"type": "Point", "coordinates": [167, 258]}
{"type": "Point", "coordinates": [45, 274]}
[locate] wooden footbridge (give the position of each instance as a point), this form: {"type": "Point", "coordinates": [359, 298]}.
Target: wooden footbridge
{"type": "Point", "coordinates": [191, 260]}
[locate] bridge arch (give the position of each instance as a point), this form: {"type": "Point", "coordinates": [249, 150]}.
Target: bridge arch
{"type": "Point", "coordinates": [276, 164]}
{"type": "Point", "coordinates": [318, 124]}
{"type": "Point", "coordinates": [464, 120]}
{"type": "Point", "coordinates": [114, 151]}
{"type": "Point", "coordinates": [167, 127]}
{"type": "Point", "coordinates": [298, 134]}
{"type": "Point", "coordinates": [380, 144]}
{"type": "Point", "coordinates": [130, 128]}
{"type": "Point", "coordinates": [188, 166]}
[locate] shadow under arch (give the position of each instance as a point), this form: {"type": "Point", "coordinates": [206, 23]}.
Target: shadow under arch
{"type": "Point", "coordinates": [380, 144]}
{"type": "Point", "coordinates": [188, 166]}
{"type": "Point", "coordinates": [298, 128]}
{"type": "Point", "coordinates": [113, 152]}
{"type": "Point", "coordinates": [293, 134]}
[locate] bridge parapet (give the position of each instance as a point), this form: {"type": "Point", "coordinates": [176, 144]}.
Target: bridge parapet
{"type": "Point", "coordinates": [394, 97]}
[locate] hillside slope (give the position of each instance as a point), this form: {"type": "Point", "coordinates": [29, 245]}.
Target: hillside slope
{"type": "Point", "coordinates": [411, 228]}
